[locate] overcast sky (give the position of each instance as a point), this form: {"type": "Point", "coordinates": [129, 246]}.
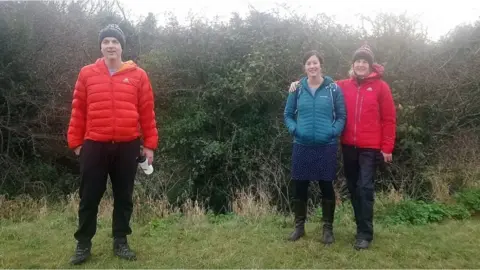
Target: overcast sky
{"type": "Point", "coordinates": [438, 18]}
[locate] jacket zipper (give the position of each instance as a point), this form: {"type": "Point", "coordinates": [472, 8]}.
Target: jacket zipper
{"type": "Point", "coordinates": [113, 102]}
{"type": "Point", "coordinates": [356, 117]}
{"type": "Point", "coordinates": [314, 112]}
{"type": "Point", "coordinates": [360, 113]}
{"type": "Point", "coordinates": [113, 106]}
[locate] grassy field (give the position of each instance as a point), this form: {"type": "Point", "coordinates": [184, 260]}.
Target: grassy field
{"type": "Point", "coordinates": [235, 241]}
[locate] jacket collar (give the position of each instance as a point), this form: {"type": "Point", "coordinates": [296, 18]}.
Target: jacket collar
{"type": "Point", "coordinates": [101, 67]}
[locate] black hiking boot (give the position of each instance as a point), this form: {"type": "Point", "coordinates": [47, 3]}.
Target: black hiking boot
{"type": "Point", "coordinates": [361, 244]}
{"type": "Point", "coordinates": [122, 250]}
{"type": "Point", "coordinates": [328, 213]}
{"type": "Point", "coordinates": [300, 217]}
{"type": "Point", "coordinates": [82, 253]}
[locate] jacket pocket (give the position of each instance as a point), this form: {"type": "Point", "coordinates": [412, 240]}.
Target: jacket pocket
{"type": "Point", "coordinates": [297, 134]}
{"type": "Point", "coordinates": [333, 133]}
{"type": "Point", "coordinates": [303, 137]}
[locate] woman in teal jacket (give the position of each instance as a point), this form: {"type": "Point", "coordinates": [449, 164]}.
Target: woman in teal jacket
{"type": "Point", "coordinates": [315, 116]}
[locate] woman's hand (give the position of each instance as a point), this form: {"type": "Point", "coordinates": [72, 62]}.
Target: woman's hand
{"type": "Point", "coordinates": [387, 157]}
{"type": "Point", "coordinates": [293, 86]}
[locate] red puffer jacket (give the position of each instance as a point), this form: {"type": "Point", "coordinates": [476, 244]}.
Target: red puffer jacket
{"type": "Point", "coordinates": [112, 108]}
{"type": "Point", "coordinates": [371, 115]}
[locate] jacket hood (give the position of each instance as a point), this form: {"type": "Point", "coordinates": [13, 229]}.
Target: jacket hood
{"type": "Point", "coordinates": [326, 81]}
{"type": "Point", "coordinates": [377, 72]}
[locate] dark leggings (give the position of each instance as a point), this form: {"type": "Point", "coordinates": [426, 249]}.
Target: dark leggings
{"type": "Point", "coordinates": [326, 187]}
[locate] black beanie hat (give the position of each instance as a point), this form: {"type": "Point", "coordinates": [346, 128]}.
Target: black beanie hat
{"type": "Point", "coordinates": [112, 30]}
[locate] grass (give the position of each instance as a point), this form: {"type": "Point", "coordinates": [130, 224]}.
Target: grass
{"type": "Point", "coordinates": [236, 241]}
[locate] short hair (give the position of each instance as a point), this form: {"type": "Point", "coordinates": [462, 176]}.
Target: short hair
{"type": "Point", "coordinates": [311, 53]}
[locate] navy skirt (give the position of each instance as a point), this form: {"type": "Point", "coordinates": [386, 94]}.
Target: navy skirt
{"type": "Point", "coordinates": [314, 162]}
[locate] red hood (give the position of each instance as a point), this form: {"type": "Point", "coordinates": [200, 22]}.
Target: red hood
{"type": "Point", "coordinates": [378, 71]}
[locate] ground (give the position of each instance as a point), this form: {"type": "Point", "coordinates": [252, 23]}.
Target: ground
{"type": "Point", "coordinates": [240, 242]}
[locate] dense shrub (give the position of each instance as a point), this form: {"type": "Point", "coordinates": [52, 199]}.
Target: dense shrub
{"type": "Point", "coordinates": [220, 90]}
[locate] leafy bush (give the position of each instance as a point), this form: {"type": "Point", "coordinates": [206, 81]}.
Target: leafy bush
{"type": "Point", "coordinates": [220, 90]}
{"type": "Point", "coordinates": [470, 199]}
{"type": "Point", "coordinates": [415, 213]}
{"type": "Point", "coordinates": [421, 213]}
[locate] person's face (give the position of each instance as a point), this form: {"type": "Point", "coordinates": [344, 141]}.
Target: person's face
{"type": "Point", "coordinates": [361, 68]}
{"type": "Point", "coordinates": [111, 48]}
{"type": "Point", "coordinates": [313, 67]}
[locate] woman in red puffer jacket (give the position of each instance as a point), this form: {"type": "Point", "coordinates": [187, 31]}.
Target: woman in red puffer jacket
{"type": "Point", "coordinates": [368, 137]}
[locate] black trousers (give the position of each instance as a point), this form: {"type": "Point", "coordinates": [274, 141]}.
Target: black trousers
{"type": "Point", "coordinates": [301, 190]}
{"type": "Point", "coordinates": [98, 160]}
{"type": "Point", "coordinates": [360, 166]}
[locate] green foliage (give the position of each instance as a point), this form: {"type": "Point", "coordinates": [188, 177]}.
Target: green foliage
{"type": "Point", "coordinates": [457, 211]}
{"type": "Point", "coordinates": [220, 91]}
{"type": "Point", "coordinates": [416, 213]}
{"type": "Point", "coordinates": [421, 213]}
{"type": "Point", "coordinates": [218, 219]}
{"type": "Point", "coordinates": [469, 198]}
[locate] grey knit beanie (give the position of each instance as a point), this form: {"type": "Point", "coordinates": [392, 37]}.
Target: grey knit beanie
{"type": "Point", "coordinates": [112, 30]}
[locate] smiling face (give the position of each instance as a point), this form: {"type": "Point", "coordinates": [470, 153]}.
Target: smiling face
{"type": "Point", "coordinates": [111, 48]}
{"type": "Point", "coordinates": [361, 67]}
{"type": "Point", "coordinates": [313, 67]}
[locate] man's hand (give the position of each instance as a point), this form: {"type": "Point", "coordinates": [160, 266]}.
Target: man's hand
{"type": "Point", "coordinates": [77, 150]}
{"type": "Point", "coordinates": [293, 86]}
{"type": "Point", "coordinates": [387, 157]}
{"type": "Point", "coordinates": [148, 153]}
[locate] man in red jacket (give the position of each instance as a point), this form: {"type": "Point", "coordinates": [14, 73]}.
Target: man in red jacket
{"type": "Point", "coordinates": [368, 137]}
{"type": "Point", "coordinates": [112, 99]}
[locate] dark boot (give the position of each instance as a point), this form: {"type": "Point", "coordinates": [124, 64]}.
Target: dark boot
{"type": "Point", "coordinates": [361, 244]}
{"type": "Point", "coordinates": [82, 253]}
{"type": "Point", "coordinates": [328, 213]}
{"type": "Point", "coordinates": [122, 250]}
{"type": "Point", "coordinates": [300, 217]}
